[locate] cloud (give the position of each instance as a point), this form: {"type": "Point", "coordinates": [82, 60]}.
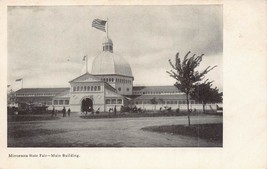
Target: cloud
{"type": "Point", "coordinates": [48, 42]}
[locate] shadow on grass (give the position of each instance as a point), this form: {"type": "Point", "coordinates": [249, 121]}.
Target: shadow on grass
{"type": "Point", "coordinates": [211, 132]}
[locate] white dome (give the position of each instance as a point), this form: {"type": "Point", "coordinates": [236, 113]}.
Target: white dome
{"type": "Point", "coordinates": [110, 63]}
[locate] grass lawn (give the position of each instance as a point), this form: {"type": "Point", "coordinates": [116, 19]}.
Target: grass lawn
{"type": "Point", "coordinates": [211, 132]}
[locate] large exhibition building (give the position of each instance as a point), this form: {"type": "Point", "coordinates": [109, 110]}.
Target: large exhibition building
{"type": "Point", "coordinates": [109, 84]}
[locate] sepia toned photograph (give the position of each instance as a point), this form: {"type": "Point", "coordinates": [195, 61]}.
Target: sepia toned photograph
{"type": "Point", "coordinates": [115, 76]}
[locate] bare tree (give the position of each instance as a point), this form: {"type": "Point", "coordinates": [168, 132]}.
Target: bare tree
{"type": "Point", "coordinates": [186, 76]}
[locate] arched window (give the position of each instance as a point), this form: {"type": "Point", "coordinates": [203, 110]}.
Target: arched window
{"type": "Point", "coordinates": [74, 88]}
{"type": "Point", "coordinates": [92, 88]}
{"type": "Point", "coordinates": [78, 88]}
{"type": "Point", "coordinates": [88, 88]}
{"type": "Point", "coordinates": [112, 80]}
{"type": "Point", "coordinates": [84, 88]}
{"type": "Point", "coordinates": [98, 88]}
{"type": "Point", "coordinates": [95, 88]}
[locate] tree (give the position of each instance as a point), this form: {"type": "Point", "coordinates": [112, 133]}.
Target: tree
{"type": "Point", "coordinates": [155, 102]}
{"type": "Point", "coordinates": [186, 76]}
{"type": "Point", "coordinates": [204, 93]}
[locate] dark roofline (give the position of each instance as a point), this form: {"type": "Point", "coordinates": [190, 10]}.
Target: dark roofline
{"type": "Point", "coordinates": [155, 86]}
{"type": "Point", "coordinates": [112, 75]}
{"type": "Point", "coordinates": [47, 88]}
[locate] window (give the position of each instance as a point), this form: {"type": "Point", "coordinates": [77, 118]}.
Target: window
{"type": "Point", "coordinates": [84, 88]}
{"type": "Point", "coordinates": [112, 79]}
{"type": "Point", "coordinates": [113, 101]}
{"type": "Point", "coordinates": [119, 89]}
{"type": "Point", "coordinates": [95, 88]}
{"type": "Point", "coordinates": [88, 88]}
{"type": "Point", "coordinates": [66, 102]}
{"type": "Point", "coordinates": [55, 102]}
{"type": "Point", "coordinates": [78, 88]}
{"type": "Point", "coordinates": [107, 101]}
{"type": "Point", "coordinates": [81, 88]}
{"type": "Point", "coordinates": [119, 101]}
{"type": "Point", "coordinates": [128, 89]}
{"type": "Point", "coordinates": [98, 88]}
{"type": "Point", "coordinates": [60, 102]}
{"type": "Point", "coordinates": [92, 88]}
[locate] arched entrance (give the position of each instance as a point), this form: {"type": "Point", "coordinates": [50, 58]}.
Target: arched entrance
{"type": "Point", "coordinates": [87, 105]}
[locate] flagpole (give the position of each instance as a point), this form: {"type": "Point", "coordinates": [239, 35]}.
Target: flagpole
{"type": "Point", "coordinates": [86, 60]}
{"type": "Point", "coordinates": [22, 83]}
{"type": "Point", "coordinates": [107, 27]}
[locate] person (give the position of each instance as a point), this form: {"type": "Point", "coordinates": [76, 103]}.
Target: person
{"type": "Point", "coordinates": [115, 110]}
{"type": "Point", "coordinates": [121, 108]}
{"type": "Point", "coordinates": [69, 112]}
{"type": "Point", "coordinates": [53, 112]}
{"type": "Point", "coordinates": [97, 111]}
{"type": "Point", "coordinates": [64, 112]}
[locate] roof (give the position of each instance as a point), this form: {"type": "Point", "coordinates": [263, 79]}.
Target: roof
{"type": "Point", "coordinates": [42, 90]}
{"type": "Point", "coordinates": [164, 97]}
{"type": "Point", "coordinates": [155, 88]}
{"type": "Point", "coordinates": [86, 77]}
{"type": "Point", "coordinates": [64, 94]}
{"type": "Point", "coordinates": [109, 63]}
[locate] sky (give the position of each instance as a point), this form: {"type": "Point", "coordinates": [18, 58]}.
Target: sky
{"type": "Point", "coordinates": [46, 44]}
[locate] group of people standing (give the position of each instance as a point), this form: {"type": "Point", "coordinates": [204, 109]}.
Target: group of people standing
{"type": "Point", "coordinates": [64, 112]}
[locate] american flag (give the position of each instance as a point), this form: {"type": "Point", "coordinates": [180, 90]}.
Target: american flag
{"type": "Point", "coordinates": [84, 58]}
{"type": "Point", "coordinates": [99, 24]}
{"type": "Point", "coordinates": [18, 80]}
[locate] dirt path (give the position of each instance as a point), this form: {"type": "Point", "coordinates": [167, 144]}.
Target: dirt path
{"type": "Point", "coordinates": [118, 132]}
